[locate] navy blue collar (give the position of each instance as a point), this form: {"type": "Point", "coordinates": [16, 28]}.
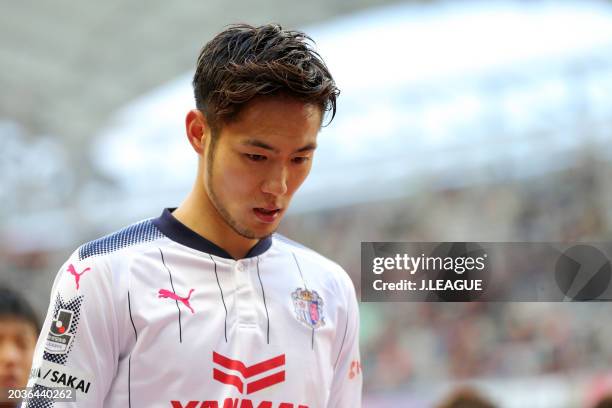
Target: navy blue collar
{"type": "Point", "coordinates": [179, 232]}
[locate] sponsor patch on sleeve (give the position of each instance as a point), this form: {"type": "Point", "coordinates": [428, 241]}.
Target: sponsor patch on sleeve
{"type": "Point", "coordinates": [59, 338]}
{"type": "Point", "coordinates": [63, 329]}
{"type": "Point", "coordinates": [54, 375]}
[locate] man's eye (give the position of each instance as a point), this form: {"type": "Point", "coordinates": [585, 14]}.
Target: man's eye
{"type": "Point", "coordinates": [300, 159]}
{"type": "Point", "coordinates": [255, 157]}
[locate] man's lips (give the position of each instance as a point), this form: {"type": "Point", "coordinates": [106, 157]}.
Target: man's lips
{"type": "Point", "coordinates": [9, 381]}
{"type": "Point", "coordinates": [267, 214]}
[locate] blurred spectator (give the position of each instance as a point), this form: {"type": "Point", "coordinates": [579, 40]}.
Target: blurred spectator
{"type": "Point", "coordinates": [466, 398]}
{"type": "Point", "coordinates": [605, 402]}
{"type": "Point", "coordinates": [18, 336]}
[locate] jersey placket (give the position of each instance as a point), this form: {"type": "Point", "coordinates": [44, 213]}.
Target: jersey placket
{"type": "Point", "coordinates": [245, 295]}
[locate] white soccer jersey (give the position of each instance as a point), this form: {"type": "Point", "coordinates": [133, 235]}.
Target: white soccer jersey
{"type": "Point", "coordinates": [157, 316]}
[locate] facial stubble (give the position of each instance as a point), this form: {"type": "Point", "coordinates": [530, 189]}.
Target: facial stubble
{"type": "Point", "coordinates": [214, 198]}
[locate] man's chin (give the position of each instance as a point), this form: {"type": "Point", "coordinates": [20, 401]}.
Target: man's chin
{"type": "Point", "coordinates": [264, 233]}
{"type": "Point", "coordinates": [256, 232]}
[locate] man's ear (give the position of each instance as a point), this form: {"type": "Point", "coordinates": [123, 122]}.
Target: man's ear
{"type": "Point", "coordinates": [197, 130]}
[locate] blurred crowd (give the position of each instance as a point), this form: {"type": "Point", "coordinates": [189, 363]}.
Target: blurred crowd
{"type": "Point", "coordinates": [407, 344]}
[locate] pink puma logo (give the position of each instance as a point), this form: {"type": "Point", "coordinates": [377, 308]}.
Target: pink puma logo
{"type": "Point", "coordinates": [163, 293]}
{"type": "Point", "coordinates": [77, 276]}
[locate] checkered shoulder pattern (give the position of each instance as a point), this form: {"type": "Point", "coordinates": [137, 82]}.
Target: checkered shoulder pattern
{"type": "Point", "coordinates": [144, 231]}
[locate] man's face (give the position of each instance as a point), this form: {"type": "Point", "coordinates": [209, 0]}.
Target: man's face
{"type": "Point", "coordinates": [17, 342]}
{"type": "Point", "coordinates": [258, 162]}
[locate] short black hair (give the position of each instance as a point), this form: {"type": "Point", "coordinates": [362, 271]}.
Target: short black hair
{"type": "Point", "coordinates": [244, 61]}
{"type": "Point", "coordinates": [13, 304]}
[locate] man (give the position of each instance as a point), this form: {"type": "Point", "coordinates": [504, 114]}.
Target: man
{"type": "Point", "coordinates": [205, 306]}
{"type": "Point", "coordinates": [19, 328]}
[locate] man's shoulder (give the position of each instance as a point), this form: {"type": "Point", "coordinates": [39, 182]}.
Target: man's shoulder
{"type": "Point", "coordinates": [133, 236]}
{"type": "Point", "coordinates": [100, 260]}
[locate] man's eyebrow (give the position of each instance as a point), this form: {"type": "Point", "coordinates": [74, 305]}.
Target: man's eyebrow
{"type": "Point", "coordinates": [260, 144]}
{"type": "Point", "coordinates": [308, 148]}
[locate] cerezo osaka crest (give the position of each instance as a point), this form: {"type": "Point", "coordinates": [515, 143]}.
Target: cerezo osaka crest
{"type": "Point", "coordinates": [308, 307]}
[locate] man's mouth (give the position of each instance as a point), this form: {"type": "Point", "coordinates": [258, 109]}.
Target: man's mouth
{"type": "Point", "coordinates": [9, 381]}
{"type": "Point", "coordinates": [267, 215]}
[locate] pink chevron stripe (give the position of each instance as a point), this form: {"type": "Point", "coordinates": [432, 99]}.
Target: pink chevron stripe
{"type": "Point", "coordinates": [228, 379]}
{"type": "Point", "coordinates": [265, 382]}
{"type": "Point", "coordinates": [248, 372]}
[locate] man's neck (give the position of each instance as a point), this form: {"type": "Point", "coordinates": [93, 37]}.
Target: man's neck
{"type": "Point", "coordinates": [199, 214]}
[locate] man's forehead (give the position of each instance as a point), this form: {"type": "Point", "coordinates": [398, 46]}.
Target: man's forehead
{"type": "Point", "coordinates": [262, 106]}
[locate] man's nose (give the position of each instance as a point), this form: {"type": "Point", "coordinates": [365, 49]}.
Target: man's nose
{"type": "Point", "coordinates": [276, 181]}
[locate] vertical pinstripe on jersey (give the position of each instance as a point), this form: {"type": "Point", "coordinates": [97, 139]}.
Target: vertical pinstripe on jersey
{"type": "Point", "coordinates": [222, 298]}
{"type": "Point", "coordinates": [175, 301]}
{"type": "Point", "coordinates": [300, 270]}
{"type": "Point", "coordinates": [130, 357]}
{"type": "Point", "coordinates": [342, 344]}
{"type": "Point", "coordinates": [263, 294]}
{"type": "Point", "coordinates": [306, 288]}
